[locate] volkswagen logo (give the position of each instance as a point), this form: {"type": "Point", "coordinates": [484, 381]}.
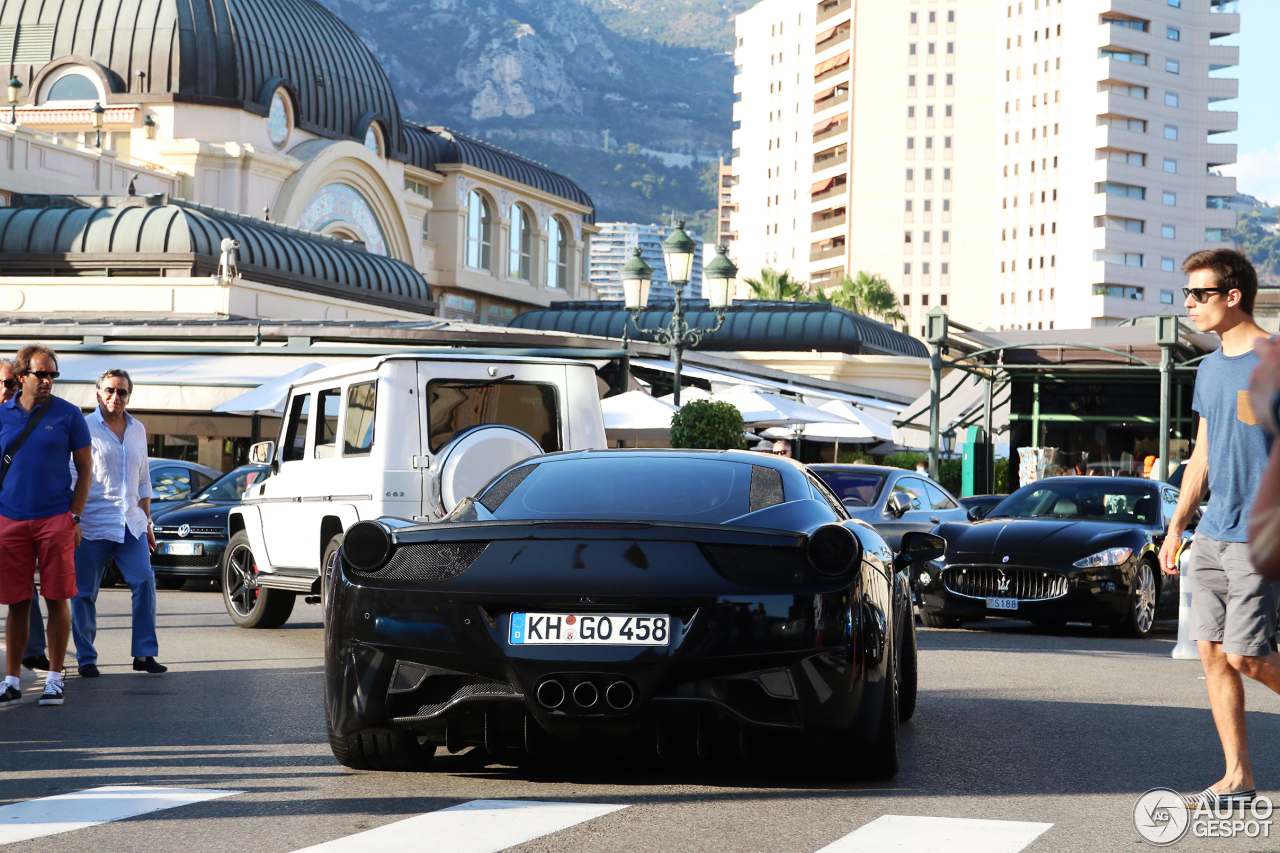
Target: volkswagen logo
{"type": "Point", "coordinates": [185, 530]}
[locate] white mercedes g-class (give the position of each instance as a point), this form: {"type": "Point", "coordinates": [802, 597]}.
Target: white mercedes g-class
{"type": "Point", "coordinates": [395, 435]}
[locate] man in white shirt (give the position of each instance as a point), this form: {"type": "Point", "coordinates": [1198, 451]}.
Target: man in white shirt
{"type": "Point", "coordinates": [116, 523]}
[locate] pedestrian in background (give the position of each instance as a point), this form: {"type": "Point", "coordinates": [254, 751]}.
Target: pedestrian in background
{"type": "Point", "coordinates": [1233, 607]}
{"type": "Point", "coordinates": [33, 656]}
{"type": "Point", "coordinates": [117, 523]}
{"type": "Point", "coordinates": [1264, 521]}
{"type": "Point", "coordinates": [41, 436]}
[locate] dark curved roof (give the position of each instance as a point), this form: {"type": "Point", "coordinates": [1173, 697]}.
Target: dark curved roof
{"type": "Point", "coordinates": [426, 149]}
{"type": "Point", "coordinates": [749, 326]}
{"type": "Point", "coordinates": [232, 52]}
{"type": "Point", "coordinates": [181, 228]}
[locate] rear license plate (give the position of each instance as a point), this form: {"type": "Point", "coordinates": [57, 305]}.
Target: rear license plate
{"type": "Point", "coordinates": [1002, 604]}
{"type": "Point", "coordinates": [591, 629]}
{"type": "Point", "coordinates": [186, 549]}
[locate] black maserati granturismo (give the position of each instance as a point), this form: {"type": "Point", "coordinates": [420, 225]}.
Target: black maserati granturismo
{"type": "Point", "coordinates": [1079, 549]}
{"type": "Point", "coordinates": [677, 602]}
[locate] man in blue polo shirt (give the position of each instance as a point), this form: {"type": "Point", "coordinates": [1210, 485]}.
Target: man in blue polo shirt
{"type": "Point", "coordinates": [40, 513]}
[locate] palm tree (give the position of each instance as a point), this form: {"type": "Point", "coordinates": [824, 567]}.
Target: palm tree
{"type": "Point", "coordinates": [868, 294]}
{"type": "Point", "coordinates": [776, 286]}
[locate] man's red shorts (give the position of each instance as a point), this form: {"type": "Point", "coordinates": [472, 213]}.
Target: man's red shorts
{"type": "Point", "coordinates": [50, 540]}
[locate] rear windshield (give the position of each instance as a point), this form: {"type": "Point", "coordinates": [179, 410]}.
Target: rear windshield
{"type": "Point", "coordinates": [454, 405]}
{"type": "Point", "coordinates": [642, 489]}
{"type": "Point", "coordinates": [854, 488]}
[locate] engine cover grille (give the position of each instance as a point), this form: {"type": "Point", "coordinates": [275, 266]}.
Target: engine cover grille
{"type": "Point", "coordinates": [1024, 584]}
{"type": "Point", "coordinates": [429, 561]}
{"type": "Point", "coordinates": [758, 565]}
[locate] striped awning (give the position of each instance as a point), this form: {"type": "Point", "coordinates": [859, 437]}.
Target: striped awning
{"type": "Point", "coordinates": [821, 186]}
{"type": "Point", "coordinates": [826, 123]}
{"type": "Point", "coordinates": [828, 64]}
{"type": "Point", "coordinates": [826, 34]}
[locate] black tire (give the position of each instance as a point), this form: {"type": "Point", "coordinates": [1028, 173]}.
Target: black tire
{"type": "Point", "coordinates": [1141, 613]}
{"type": "Point", "coordinates": [382, 749]}
{"type": "Point", "coordinates": [909, 672]}
{"type": "Point", "coordinates": [880, 761]}
{"type": "Point", "coordinates": [249, 605]}
{"type": "Point", "coordinates": [327, 565]}
{"type": "Point", "coordinates": [937, 620]}
{"type": "Point", "coordinates": [170, 582]}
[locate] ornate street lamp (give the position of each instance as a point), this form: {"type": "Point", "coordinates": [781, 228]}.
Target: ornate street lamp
{"type": "Point", "coordinates": [678, 251]}
{"type": "Point", "coordinates": [15, 95]}
{"type": "Point", "coordinates": [149, 127]}
{"type": "Point", "coordinates": [98, 114]}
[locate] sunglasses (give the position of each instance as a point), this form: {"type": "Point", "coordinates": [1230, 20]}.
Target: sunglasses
{"type": "Point", "coordinates": [10, 383]}
{"type": "Point", "coordinates": [1201, 294]}
{"type": "Point", "coordinates": [123, 392]}
{"type": "Point", "coordinates": [44, 374]}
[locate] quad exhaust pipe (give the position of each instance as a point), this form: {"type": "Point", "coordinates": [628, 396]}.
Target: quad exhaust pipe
{"type": "Point", "coordinates": [552, 693]}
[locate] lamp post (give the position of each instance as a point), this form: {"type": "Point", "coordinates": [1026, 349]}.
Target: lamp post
{"type": "Point", "coordinates": [677, 253]}
{"type": "Point", "coordinates": [149, 127]}
{"type": "Point", "coordinates": [98, 114]}
{"type": "Point", "coordinates": [15, 94]}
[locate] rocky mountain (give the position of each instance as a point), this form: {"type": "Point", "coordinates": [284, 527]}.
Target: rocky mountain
{"type": "Point", "coordinates": [571, 83]}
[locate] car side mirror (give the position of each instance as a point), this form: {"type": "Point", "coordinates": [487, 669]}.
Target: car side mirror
{"type": "Point", "coordinates": [920, 547]}
{"type": "Point", "coordinates": [898, 504]}
{"type": "Point", "coordinates": [264, 453]}
{"type": "Point", "coordinates": [977, 513]}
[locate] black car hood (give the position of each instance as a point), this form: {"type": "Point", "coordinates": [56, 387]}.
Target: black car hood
{"type": "Point", "coordinates": [199, 514]}
{"type": "Point", "coordinates": [1041, 539]}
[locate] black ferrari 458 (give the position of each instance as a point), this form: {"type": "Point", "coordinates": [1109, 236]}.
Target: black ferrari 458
{"type": "Point", "coordinates": [1078, 549]}
{"type": "Point", "coordinates": [678, 602]}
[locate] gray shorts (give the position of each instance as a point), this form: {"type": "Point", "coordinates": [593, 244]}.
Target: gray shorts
{"type": "Point", "coordinates": [1230, 602]}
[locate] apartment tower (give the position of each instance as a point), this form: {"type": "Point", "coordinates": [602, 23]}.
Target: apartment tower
{"type": "Point", "coordinates": [1028, 165]}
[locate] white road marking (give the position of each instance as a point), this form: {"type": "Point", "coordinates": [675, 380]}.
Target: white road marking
{"type": "Point", "coordinates": [65, 812]}
{"type": "Point", "coordinates": [893, 833]}
{"type": "Point", "coordinates": [480, 826]}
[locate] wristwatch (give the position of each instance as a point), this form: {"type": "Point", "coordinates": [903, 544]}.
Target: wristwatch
{"type": "Point", "coordinates": [75, 519]}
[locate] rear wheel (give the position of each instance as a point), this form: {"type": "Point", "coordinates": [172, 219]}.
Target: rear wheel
{"type": "Point", "coordinates": [908, 678]}
{"type": "Point", "coordinates": [937, 620]}
{"type": "Point", "coordinates": [249, 605]}
{"type": "Point", "coordinates": [382, 749]}
{"type": "Point", "coordinates": [1141, 614]}
{"type": "Point", "coordinates": [328, 565]}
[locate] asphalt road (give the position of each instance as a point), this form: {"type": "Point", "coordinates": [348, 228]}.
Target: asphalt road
{"type": "Point", "coordinates": [1013, 725]}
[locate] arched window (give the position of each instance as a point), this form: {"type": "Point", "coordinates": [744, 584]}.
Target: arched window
{"type": "Point", "coordinates": [520, 258]}
{"type": "Point", "coordinates": [279, 120]}
{"type": "Point", "coordinates": [73, 87]}
{"type": "Point", "coordinates": [479, 232]}
{"type": "Point", "coordinates": [373, 139]}
{"type": "Point", "coordinates": [557, 255]}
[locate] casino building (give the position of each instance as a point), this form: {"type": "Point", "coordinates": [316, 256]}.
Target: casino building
{"type": "Point", "coordinates": [144, 132]}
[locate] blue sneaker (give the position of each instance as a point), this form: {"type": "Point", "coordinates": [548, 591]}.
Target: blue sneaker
{"type": "Point", "coordinates": [52, 693]}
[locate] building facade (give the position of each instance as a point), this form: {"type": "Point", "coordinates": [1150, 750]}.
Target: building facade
{"type": "Point", "coordinates": [931, 142]}
{"type": "Point", "coordinates": [208, 104]}
{"type": "Point", "coordinates": [611, 248]}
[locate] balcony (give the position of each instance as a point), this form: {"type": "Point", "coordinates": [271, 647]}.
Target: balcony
{"type": "Point", "coordinates": [831, 132]}
{"type": "Point", "coordinates": [831, 97]}
{"type": "Point", "coordinates": [1220, 154]}
{"type": "Point", "coordinates": [835, 189]}
{"type": "Point", "coordinates": [1223, 121]}
{"type": "Point", "coordinates": [830, 161]}
{"type": "Point", "coordinates": [1223, 88]}
{"type": "Point", "coordinates": [836, 35]}
{"type": "Point", "coordinates": [832, 248]}
{"type": "Point", "coordinates": [1223, 56]}
{"type": "Point", "coordinates": [830, 218]}
{"type": "Point", "coordinates": [828, 9]}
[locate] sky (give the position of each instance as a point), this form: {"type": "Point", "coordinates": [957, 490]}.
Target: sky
{"type": "Point", "coordinates": [1258, 139]}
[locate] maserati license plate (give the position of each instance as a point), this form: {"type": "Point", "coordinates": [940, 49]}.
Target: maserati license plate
{"type": "Point", "coordinates": [589, 629]}
{"type": "Point", "coordinates": [1002, 604]}
{"type": "Point", "coordinates": [186, 549]}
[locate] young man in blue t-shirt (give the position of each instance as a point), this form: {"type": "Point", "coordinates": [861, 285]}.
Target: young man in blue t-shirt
{"type": "Point", "coordinates": [40, 514]}
{"type": "Point", "coordinates": [1233, 608]}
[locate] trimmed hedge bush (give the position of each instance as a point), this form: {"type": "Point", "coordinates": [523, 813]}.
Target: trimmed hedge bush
{"type": "Point", "coordinates": [708, 425]}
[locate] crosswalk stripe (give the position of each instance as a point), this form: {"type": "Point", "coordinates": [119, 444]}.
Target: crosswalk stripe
{"type": "Point", "coordinates": [893, 833]}
{"type": "Point", "coordinates": [77, 810]}
{"type": "Point", "coordinates": [478, 826]}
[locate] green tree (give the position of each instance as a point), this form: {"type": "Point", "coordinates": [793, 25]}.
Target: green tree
{"type": "Point", "coordinates": [708, 425]}
{"type": "Point", "coordinates": [868, 294]}
{"type": "Point", "coordinates": [776, 286]}
{"type": "Point", "coordinates": [1261, 246]}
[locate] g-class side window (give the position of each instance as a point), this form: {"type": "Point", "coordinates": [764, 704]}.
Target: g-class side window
{"type": "Point", "coordinates": [454, 405]}
{"type": "Point", "coordinates": [357, 432]}
{"type": "Point", "coordinates": [294, 446]}
{"type": "Point", "coordinates": [327, 423]}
